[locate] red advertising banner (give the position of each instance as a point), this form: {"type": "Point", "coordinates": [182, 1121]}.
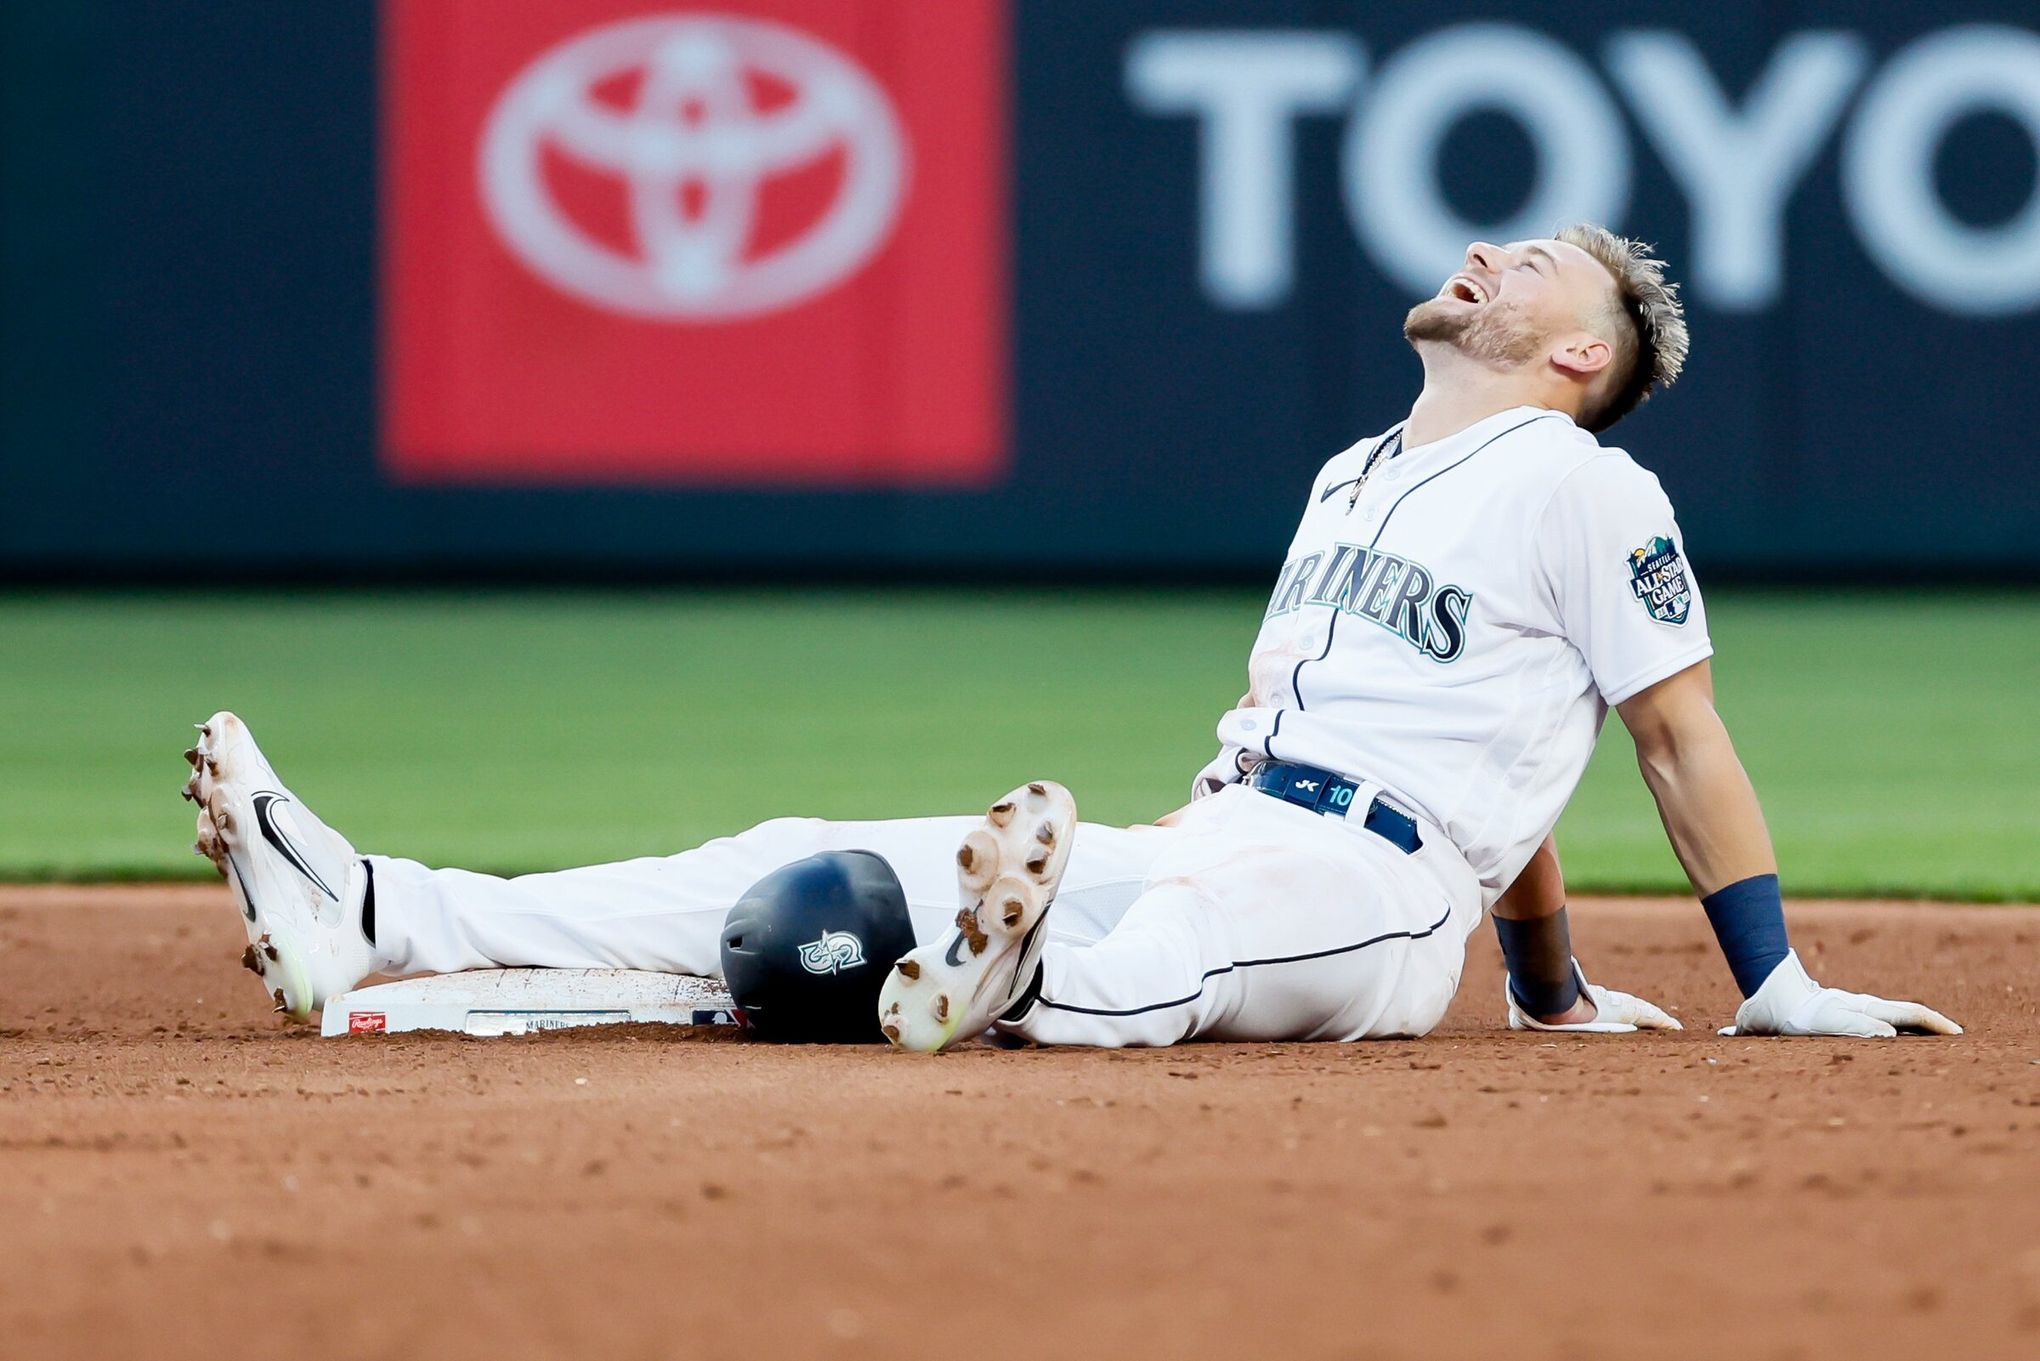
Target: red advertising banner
{"type": "Point", "coordinates": [763, 243]}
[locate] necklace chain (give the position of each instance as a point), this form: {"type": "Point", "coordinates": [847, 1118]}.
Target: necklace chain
{"type": "Point", "coordinates": [1390, 446]}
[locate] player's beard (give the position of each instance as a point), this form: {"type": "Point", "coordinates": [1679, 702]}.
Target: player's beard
{"type": "Point", "coordinates": [1492, 334]}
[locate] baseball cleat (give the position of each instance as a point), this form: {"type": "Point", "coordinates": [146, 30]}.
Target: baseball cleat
{"type": "Point", "coordinates": [298, 883]}
{"type": "Point", "coordinates": [951, 990]}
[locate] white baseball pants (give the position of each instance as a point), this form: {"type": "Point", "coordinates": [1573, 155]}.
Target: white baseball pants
{"type": "Point", "coordinates": [666, 912]}
{"type": "Point", "coordinates": [1251, 919]}
{"type": "Point", "coordinates": [1261, 920]}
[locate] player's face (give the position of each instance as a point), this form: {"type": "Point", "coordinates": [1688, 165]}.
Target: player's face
{"type": "Point", "coordinates": [1512, 305]}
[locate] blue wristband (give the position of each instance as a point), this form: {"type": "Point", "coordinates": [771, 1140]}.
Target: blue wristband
{"type": "Point", "coordinates": [1538, 954]}
{"type": "Point", "coordinates": [1748, 918]}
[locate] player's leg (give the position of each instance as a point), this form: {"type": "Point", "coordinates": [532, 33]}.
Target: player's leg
{"type": "Point", "coordinates": [1265, 923]}
{"type": "Point", "coordinates": [320, 917]}
{"type": "Point", "coordinates": [666, 912]}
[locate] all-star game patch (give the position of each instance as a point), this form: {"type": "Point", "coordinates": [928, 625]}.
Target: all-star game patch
{"type": "Point", "coordinates": [1658, 576]}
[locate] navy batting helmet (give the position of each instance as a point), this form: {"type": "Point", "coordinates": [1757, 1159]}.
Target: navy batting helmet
{"type": "Point", "coordinates": [805, 950]}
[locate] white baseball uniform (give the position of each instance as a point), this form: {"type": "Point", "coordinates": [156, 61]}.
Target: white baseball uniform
{"type": "Point", "coordinates": [1450, 638]}
{"type": "Point", "coordinates": [1449, 631]}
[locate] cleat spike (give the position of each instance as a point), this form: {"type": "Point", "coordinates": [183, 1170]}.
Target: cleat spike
{"type": "Point", "coordinates": [1037, 788]}
{"type": "Point", "coordinates": [1002, 813]}
{"type": "Point", "coordinates": [1010, 912]}
{"type": "Point", "coordinates": [191, 758]}
{"type": "Point", "coordinates": [977, 860]}
{"type": "Point", "coordinates": [941, 1006]}
{"type": "Point", "coordinates": [1038, 864]}
{"type": "Point", "coordinates": [1045, 834]}
{"type": "Point", "coordinates": [908, 968]}
{"type": "Point", "coordinates": [892, 1033]}
{"type": "Point", "coordinates": [212, 767]}
{"type": "Point", "coordinates": [973, 934]}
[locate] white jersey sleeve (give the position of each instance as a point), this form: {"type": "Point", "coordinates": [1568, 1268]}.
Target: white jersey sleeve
{"type": "Point", "coordinates": [1615, 565]}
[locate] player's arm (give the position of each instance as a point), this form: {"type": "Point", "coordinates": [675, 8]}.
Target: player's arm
{"type": "Point", "coordinates": [1536, 937]}
{"type": "Point", "coordinates": [1545, 986]}
{"type": "Point", "coordinates": [1710, 812]}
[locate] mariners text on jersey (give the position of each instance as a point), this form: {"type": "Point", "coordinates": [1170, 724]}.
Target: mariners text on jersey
{"type": "Point", "coordinates": [1399, 595]}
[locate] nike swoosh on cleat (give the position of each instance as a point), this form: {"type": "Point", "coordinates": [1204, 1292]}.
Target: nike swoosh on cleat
{"type": "Point", "coordinates": [275, 837]}
{"type": "Point", "coordinates": [954, 956]}
{"type": "Point", "coordinates": [247, 898]}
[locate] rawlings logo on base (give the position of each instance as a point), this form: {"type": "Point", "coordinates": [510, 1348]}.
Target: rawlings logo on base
{"type": "Point", "coordinates": [1659, 580]}
{"type": "Point", "coordinates": [835, 950]}
{"type": "Point", "coordinates": [367, 1022]}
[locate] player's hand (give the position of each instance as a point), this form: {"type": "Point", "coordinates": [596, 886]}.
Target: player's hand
{"type": "Point", "coordinates": [1615, 1013]}
{"type": "Point", "coordinates": [1791, 1003]}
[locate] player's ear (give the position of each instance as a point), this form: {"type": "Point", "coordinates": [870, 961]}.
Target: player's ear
{"type": "Point", "coordinates": [1583, 354]}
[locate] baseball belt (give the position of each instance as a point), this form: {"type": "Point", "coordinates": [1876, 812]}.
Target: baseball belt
{"type": "Point", "coordinates": [1321, 791]}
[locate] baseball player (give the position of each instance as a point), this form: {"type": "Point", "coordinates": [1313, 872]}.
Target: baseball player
{"type": "Point", "coordinates": [1465, 597]}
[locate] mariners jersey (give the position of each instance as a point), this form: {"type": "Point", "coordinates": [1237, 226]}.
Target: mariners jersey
{"type": "Point", "coordinates": [1457, 632]}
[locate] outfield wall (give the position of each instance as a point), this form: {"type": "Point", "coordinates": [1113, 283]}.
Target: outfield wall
{"type": "Point", "coordinates": [912, 285]}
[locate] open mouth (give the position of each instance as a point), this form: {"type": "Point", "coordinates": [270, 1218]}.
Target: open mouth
{"type": "Point", "coordinates": [1465, 289]}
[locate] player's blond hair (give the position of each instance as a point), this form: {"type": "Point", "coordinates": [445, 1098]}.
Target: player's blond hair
{"type": "Point", "coordinates": [1648, 327]}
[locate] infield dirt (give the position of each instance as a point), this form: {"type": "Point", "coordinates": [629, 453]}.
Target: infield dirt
{"type": "Point", "coordinates": [183, 1176]}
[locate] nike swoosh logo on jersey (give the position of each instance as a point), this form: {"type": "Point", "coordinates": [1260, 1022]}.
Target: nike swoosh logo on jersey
{"type": "Point", "coordinates": [1335, 488]}
{"type": "Point", "coordinates": [275, 837]}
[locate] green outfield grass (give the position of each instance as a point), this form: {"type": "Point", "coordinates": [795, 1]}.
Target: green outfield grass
{"type": "Point", "coordinates": [1894, 739]}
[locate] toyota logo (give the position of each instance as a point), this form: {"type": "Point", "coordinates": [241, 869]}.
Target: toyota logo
{"type": "Point", "coordinates": [694, 117]}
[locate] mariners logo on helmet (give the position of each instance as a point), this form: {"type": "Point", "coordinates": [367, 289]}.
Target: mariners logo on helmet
{"type": "Point", "coordinates": [835, 950]}
{"type": "Point", "coordinates": [1660, 581]}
